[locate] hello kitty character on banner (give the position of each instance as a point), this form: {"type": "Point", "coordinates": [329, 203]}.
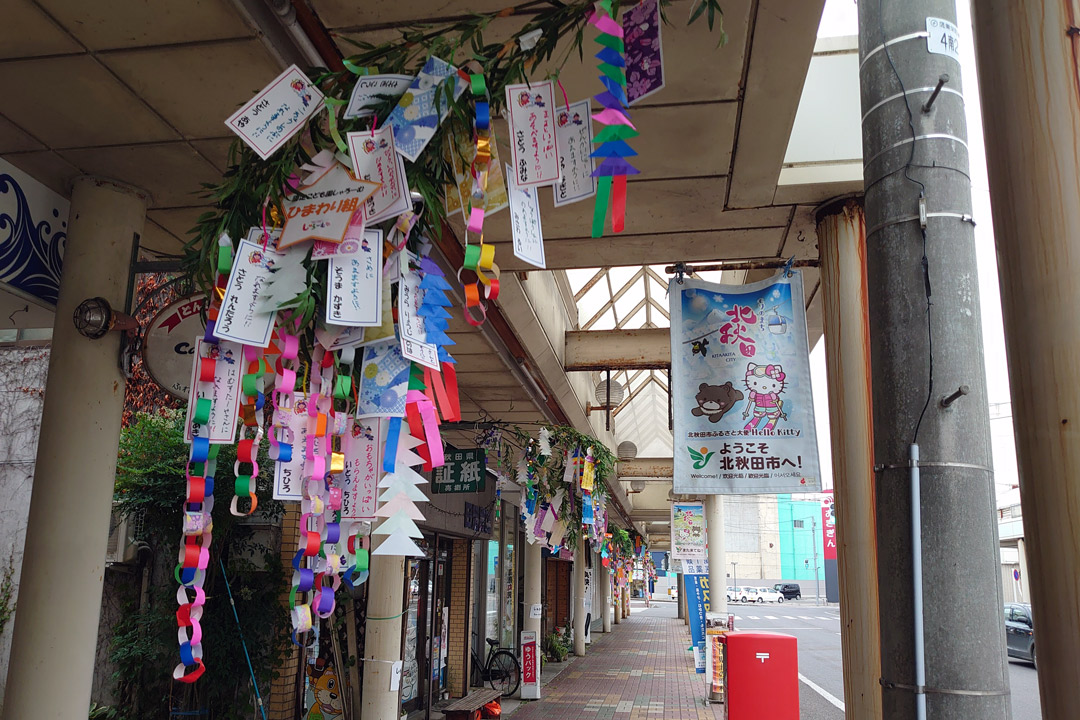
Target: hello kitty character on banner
{"type": "Point", "coordinates": [740, 376]}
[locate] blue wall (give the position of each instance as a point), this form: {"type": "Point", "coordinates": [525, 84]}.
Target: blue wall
{"type": "Point", "coordinates": [797, 544]}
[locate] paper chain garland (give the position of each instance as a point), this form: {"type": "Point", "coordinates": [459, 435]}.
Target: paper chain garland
{"type": "Point", "coordinates": [480, 258]}
{"type": "Point", "coordinates": [613, 148]}
{"type": "Point", "coordinates": [198, 522]}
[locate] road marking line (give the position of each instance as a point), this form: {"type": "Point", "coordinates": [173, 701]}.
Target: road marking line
{"type": "Point", "coordinates": [835, 701]}
{"type": "Point", "coordinates": [805, 617]}
{"type": "Point", "coordinates": [752, 617]}
{"type": "Point", "coordinates": [789, 617]}
{"type": "Point", "coordinates": [772, 629]}
{"type": "Point", "coordinates": [770, 617]}
{"type": "Point", "coordinates": [819, 617]}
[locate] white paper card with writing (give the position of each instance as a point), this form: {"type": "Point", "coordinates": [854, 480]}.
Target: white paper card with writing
{"type": "Point", "coordinates": [374, 158]}
{"type": "Point", "coordinates": [224, 392]}
{"type": "Point", "coordinates": [536, 611]}
{"type": "Point", "coordinates": [532, 133]}
{"type": "Point", "coordinates": [354, 284]}
{"type": "Point", "coordinates": [413, 329]}
{"type": "Point", "coordinates": [363, 463]}
{"type": "Point", "coordinates": [269, 119]}
{"type": "Point", "coordinates": [238, 320]}
{"type": "Point", "coordinates": [368, 89]}
{"type": "Point", "coordinates": [525, 222]}
{"type": "Point", "coordinates": [573, 134]}
{"type": "Point", "coordinates": [289, 476]}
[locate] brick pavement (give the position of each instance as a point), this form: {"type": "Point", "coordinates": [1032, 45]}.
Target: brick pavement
{"type": "Point", "coordinates": [641, 670]}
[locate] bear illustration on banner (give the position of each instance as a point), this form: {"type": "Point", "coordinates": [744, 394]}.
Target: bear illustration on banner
{"type": "Point", "coordinates": [714, 401]}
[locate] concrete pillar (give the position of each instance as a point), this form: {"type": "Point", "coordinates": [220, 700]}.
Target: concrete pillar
{"type": "Point", "coordinates": [532, 590]}
{"type": "Point", "coordinates": [841, 232]}
{"type": "Point", "coordinates": [1030, 104]}
{"type": "Point", "coordinates": [55, 633]}
{"type": "Point", "coordinates": [579, 597]}
{"type": "Point", "coordinates": [925, 344]}
{"type": "Point", "coordinates": [382, 640]}
{"type": "Point", "coordinates": [605, 588]}
{"type": "Point", "coordinates": [714, 538]}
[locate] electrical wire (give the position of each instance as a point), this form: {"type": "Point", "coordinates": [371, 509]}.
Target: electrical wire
{"type": "Point", "coordinates": [922, 196]}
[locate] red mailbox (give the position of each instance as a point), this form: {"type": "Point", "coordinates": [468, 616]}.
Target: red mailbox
{"type": "Point", "coordinates": [762, 676]}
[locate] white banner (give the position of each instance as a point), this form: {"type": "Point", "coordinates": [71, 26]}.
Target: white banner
{"type": "Point", "coordinates": [688, 531]}
{"type": "Point", "coordinates": [740, 377]}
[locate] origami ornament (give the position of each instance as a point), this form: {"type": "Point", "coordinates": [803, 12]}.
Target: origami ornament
{"type": "Point", "coordinates": [613, 150]}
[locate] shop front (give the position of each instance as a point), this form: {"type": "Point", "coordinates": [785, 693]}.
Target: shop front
{"type": "Point", "coordinates": [439, 599]}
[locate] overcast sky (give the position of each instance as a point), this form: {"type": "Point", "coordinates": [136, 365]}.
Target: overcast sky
{"type": "Point", "coordinates": [841, 18]}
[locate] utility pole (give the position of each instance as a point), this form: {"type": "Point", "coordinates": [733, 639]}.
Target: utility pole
{"type": "Point", "coordinates": [813, 543]}
{"type": "Point", "coordinates": [930, 412]}
{"type": "Point", "coordinates": [734, 578]}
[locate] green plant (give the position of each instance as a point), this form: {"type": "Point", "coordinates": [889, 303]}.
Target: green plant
{"type": "Point", "coordinates": [104, 712]}
{"type": "Point", "coordinates": [150, 484]}
{"type": "Point", "coordinates": [556, 649]}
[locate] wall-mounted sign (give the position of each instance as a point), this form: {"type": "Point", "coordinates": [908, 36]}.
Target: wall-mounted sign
{"type": "Point", "coordinates": [463, 472]}
{"type": "Point", "coordinates": [168, 347]}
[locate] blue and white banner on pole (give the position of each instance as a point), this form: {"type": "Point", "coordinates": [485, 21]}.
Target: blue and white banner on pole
{"type": "Point", "coordinates": [696, 587]}
{"type": "Point", "coordinates": [740, 380]}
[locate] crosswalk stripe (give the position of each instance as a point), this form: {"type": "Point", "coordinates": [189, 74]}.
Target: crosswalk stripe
{"type": "Point", "coordinates": [752, 617]}
{"type": "Point", "coordinates": [770, 617]}
{"type": "Point", "coordinates": [789, 617]}
{"type": "Point", "coordinates": [805, 617]}
{"type": "Point", "coordinates": [819, 617]}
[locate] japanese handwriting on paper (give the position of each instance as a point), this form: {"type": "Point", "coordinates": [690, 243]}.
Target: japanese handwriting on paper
{"type": "Point", "coordinates": [733, 332]}
{"type": "Point", "coordinates": [276, 113]}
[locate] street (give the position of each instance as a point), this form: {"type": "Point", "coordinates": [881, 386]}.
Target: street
{"type": "Point", "coordinates": [820, 665]}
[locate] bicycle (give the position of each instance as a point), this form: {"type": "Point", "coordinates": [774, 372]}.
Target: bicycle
{"type": "Point", "coordinates": [501, 670]}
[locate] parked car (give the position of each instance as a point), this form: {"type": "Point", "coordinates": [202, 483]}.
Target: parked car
{"type": "Point", "coordinates": [769, 595]}
{"type": "Point", "coordinates": [747, 594]}
{"type": "Point", "coordinates": [732, 594]}
{"type": "Point", "coordinates": [790, 591]}
{"type": "Point", "coordinates": [1020, 632]}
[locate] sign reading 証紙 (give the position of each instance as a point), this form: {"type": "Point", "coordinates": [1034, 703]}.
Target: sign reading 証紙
{"type": "Point", "coordinates": [462, 472]}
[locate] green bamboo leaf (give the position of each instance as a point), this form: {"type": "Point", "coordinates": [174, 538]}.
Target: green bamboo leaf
{"type": "Point", "coordinates": [698, 10]}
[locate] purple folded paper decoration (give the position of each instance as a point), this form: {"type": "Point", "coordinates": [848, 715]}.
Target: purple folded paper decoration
{"type": "Point", "coordinates": [644, 50]}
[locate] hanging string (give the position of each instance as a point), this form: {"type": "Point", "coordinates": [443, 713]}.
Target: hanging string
{"type": "Point", "coordinates": [243, 642]}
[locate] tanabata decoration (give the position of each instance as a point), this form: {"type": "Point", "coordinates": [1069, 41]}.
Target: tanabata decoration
{"type": "Point", "coordinates": [300, 353]}
{"type": "Point", "coordinates": [479, 258]}
{"type": "Point", "coordinates": [613, 148]}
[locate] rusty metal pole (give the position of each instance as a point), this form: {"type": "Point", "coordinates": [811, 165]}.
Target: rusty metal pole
{"type": "Point", "coordinates": [841, 232]}
{"type": "Point", "coordinates": [925, 342]}
{"type": "Point", "coordinates": [1027, 54]}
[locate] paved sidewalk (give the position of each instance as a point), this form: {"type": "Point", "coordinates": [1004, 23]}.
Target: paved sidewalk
{"type": "Point", "coordinates": [641, 670]}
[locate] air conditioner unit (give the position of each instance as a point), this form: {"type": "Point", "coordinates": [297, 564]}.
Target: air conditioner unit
{"type": "Point", "coordinates": [122, 547]}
